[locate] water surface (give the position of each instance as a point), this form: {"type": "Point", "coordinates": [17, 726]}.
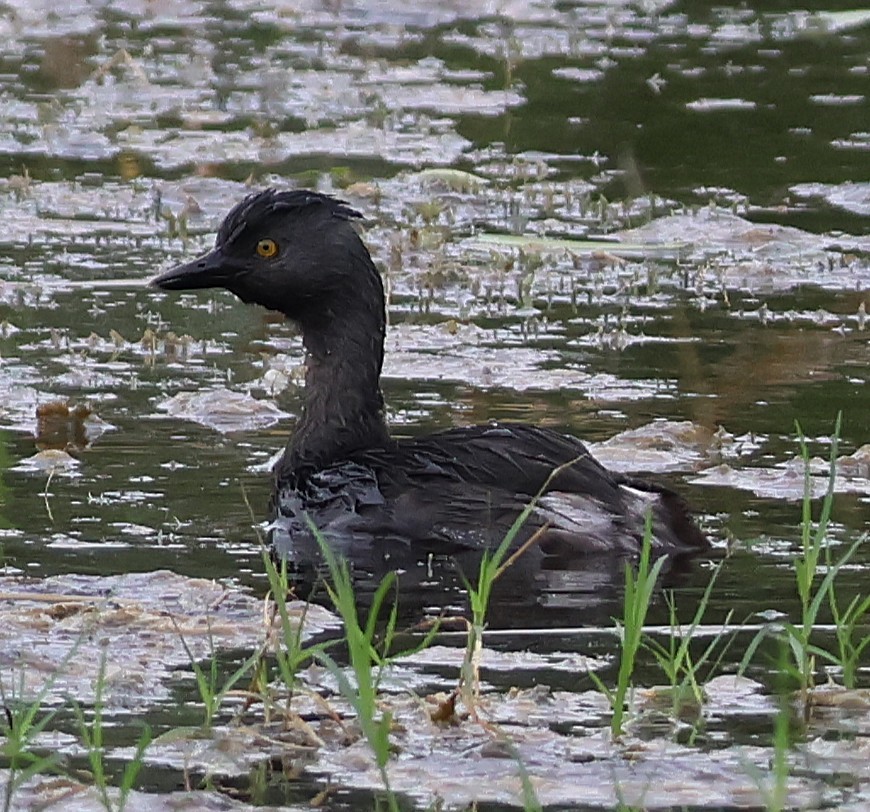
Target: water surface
{"type": "Point", "coordinates": [725, 147]}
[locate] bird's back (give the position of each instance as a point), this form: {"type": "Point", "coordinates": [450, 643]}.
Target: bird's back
{"type": "Point", "coordinates": [461, 490]}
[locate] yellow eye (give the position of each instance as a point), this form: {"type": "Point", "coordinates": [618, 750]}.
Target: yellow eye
{"type": "Point", "coordinates": [267, 248]}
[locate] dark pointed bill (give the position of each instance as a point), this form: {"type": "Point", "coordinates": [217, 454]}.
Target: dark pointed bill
{"type": "Point", "coordinates": [207, 271]}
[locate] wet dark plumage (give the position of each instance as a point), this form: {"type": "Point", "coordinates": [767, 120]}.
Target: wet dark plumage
{"type": "Point", "coordinates": [374, 496]}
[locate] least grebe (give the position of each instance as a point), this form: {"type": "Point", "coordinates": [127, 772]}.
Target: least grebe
{"type": "Point", "coordinates": [370, 494]}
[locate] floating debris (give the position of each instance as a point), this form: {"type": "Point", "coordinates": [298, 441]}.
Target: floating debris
{"type": "Point", "coordinates": [60, 426]}
{"type": "Point", "coordinates": [56, 792]}
{"type": "Point", "coordinates": [454, 180]}
{"type": "Point", "coordinates": [60, 627]}
{"type": "Point", "coordinates": [51, 461]}
{"type": "Point", "coordinates": [787, 479]}
{"type": "Point", "coordinates": [666, 445]}
{"type": "Point", "coordinates": [223, 410]}
{"type": "Point", "coordinates": [602, 249]}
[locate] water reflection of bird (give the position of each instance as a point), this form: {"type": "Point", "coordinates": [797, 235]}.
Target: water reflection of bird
{"type": "Point", "coordinates": [382, 500]}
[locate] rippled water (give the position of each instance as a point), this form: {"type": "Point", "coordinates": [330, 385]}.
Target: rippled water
{"type": "Point", "coordinates": [725, 148]}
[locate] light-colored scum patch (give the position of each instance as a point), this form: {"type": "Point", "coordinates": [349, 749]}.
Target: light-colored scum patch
{"type": "Point", "coordinates": [60, 792]}
{"type": "Point", "coordinates": [59, 628]}
{"type": "Point", "coordinates": [669, 445]}
{"type": "Point", "coordinates": [786, 480]}
{"type": "Point", "coordinates": [223, 410]}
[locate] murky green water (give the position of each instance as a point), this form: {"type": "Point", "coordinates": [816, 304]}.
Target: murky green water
{"type": "Point", "coordinates": [736, 139]}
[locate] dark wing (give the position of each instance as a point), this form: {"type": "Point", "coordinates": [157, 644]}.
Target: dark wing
{"type": "Point", "coordinates": [518, 459]}
{"type": "Point", "coordinates": [482, 477]}
{"type": "Point", "coordinates": [462, 489]}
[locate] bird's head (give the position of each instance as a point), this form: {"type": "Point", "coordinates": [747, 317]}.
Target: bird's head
{"type": "Point", "coordinates": [292, 251]}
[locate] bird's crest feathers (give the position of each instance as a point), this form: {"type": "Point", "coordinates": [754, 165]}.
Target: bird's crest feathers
{"type": "Point", "coordinates": [272, 201]}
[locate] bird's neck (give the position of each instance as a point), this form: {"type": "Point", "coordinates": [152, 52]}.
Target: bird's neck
{"type": "Point", "coordinates": [343, 407]}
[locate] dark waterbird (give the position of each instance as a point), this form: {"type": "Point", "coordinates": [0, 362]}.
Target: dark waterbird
{"type": "Point", "coordinates": [376, 498]}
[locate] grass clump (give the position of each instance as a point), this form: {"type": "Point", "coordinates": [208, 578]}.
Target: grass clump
{"type": "Point", "coordinates": [211, 692]}
{"type": "Point", "coordinates": [91, 734]}
{"type": "Point", "coordinates": [293, 654]}
{"type": "Point", "coordinates": [290, 657]}
{"type": "Point", "coordinates": [773, 784]}
{"type": "Point", "coordinates": [674, 656]}
{"type": "Point", "coordinates": [367, 661]}
{"type": "Point", "coordinates": [24, 721]}
{"type": "Point", "coordinates": [639, 585]}
{"type": "Point", "coordinates": [492, 565]}
{"type": "Point", "coordinates": [816, 571]}
{"type": "Point", "coordinates": [850, 644]}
